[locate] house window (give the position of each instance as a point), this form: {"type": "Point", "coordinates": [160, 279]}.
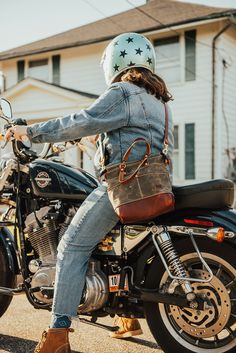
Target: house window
{"type": "Point", "coordinates": [189, 151]}
{"type": "Point", "coordinates": [190, 55]}
{"type": "Point", "coordinates": [168, 59]}
{"type": "Point", "coordinates": [176, 152]}
{"type": "Point", "coordinates": [39, 69]}
{"type": "Point", "coordinates": [56, 69]}
{"type": "Point", "coordinates": [20, 70]}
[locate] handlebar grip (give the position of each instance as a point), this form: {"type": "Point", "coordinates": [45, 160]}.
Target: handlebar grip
{"type": "Point", "coordinates": [26, 141]}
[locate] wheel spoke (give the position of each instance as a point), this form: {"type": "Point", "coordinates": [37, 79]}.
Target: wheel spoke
{"type": "Point", "coordinates": [230, 284]}
{"type": "Point", "coordinates": [219, 272]}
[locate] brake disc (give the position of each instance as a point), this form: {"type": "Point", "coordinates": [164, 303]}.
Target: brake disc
{"type": "Point", "coordinates": [210, 321]}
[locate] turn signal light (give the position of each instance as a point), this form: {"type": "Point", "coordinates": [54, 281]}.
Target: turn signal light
{"type": "Point", "coordinates": [220, 236]}
{"type": "Point", "coordinates": [1, 137]}
{"type": "Point", "coordinates": [217, 234]}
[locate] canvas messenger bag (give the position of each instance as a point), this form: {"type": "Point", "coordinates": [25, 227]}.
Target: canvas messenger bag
{"type": "Point", "coordinates": [141, 190]}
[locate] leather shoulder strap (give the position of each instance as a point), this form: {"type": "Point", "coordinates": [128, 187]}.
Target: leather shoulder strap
{"type": "Point", "coordinates": [166, 141]}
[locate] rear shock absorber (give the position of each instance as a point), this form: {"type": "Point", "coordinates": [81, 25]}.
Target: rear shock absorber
{"type": "Point", "coordinates": [171, 260]}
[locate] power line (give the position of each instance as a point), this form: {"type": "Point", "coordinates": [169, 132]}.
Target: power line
{"type": "Point", "coordinates": [162, 24]}
{"type": "Point", "coordinates": [107, 17]}
{"type": "Point", "coordinates": [144, 12]}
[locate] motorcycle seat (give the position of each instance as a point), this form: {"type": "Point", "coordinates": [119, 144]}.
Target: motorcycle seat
{"type": "Point", "coordinates": [213, 194]}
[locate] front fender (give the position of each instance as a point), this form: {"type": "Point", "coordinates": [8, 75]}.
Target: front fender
{"type": "Point", "coordinates": [7, 242]}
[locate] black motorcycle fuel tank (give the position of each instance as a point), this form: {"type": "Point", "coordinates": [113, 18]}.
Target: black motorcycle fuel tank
{"type": "Point", "coordinates": [55, 180]}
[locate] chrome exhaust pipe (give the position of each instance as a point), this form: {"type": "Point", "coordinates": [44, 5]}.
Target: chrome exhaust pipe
{"type": "Point", "coordinates": [10, 291]}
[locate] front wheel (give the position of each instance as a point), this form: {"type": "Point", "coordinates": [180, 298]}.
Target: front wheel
{"type": "Point", "coordinates": [7, 279]}
{"type": "Point", "coordinates": [185, 330]}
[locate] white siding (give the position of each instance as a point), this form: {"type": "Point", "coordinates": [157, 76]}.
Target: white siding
{"type": "Point", "coordinates": [192, 104]}
{"type": "Point", "coordinates": [10, 71]}
{"type": "Point", "coordinates": [34, 103]}
{"type": "Point", "coordinates": [227, 52]}
{"type": "Point", "coordinates": [80, 69]}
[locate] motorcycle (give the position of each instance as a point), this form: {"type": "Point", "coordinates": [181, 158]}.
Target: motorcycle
{"type": "Point", "coordinates": [178, 271]}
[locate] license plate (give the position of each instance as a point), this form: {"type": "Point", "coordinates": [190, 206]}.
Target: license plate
{"type": "Point", "coordinates": [114, 281]}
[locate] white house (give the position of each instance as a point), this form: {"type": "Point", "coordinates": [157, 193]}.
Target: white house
{"type": "Point", "coordinates": [196, 55]}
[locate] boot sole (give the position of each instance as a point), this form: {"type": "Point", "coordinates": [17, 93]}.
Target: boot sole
{"type": "Point", "coordinates": [126, 334]}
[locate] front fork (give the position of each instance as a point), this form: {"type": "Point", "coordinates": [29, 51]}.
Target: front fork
{"type": "Point", "coordinates": [173, 265]}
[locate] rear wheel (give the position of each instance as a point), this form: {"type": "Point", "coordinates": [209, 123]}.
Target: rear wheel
{"type": "Point", "coordinates": [7, 279]}
{"type": "Point", "coordinates": [185, 330]}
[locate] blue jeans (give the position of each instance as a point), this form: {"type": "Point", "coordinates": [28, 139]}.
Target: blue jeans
{"type": "Point", "coordinates": [93, 220]}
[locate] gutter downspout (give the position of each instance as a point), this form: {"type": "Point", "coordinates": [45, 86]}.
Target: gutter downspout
{"type": "Point", "coordinates": [214, 94]}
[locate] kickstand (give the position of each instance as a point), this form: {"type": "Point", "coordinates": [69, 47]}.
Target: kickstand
{"type": "Point", "coordinates": [94, 323]}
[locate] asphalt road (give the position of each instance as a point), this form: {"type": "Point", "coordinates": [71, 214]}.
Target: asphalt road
{"type": "Point", "coordinates": [22, 325]}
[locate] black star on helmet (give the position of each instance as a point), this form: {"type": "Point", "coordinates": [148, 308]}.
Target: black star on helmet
{"type": "Point", "coordinates": [149, 60]}
{"type": "Point", "coordinates": [123, 53]}
{"type": "Point", "coordinates": [116, 67]}
{"type": "Point", "coordinates": [138, 51]}
{"type": "Point", "coordinates": [131, 64]}
{"type": "Point", "coordinates": [129, 40]}
{"type": "Point", "coordinates": [148, 47]}
{"type": "Point", "coordinates": [116, 43]}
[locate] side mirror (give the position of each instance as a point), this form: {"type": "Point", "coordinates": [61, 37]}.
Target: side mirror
{"type": "Point", "coordinates": [6, 108]}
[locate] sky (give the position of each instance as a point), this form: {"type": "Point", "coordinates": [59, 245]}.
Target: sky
{"type": "Point", "coordinates": [25, 21]}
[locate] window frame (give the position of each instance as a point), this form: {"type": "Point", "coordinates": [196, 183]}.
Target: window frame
{"type": "Point", "coordinates": [38, 60]}
{"type": "Point", "coordinates": [165, 64]}
{"type": "Point", "coordinates": [190, 52]}
{"type": "Point", "coordinates": [183, 58]}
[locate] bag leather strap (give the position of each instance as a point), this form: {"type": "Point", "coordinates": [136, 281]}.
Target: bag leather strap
{"type": "Point", "coordinates": [139, 139]}
{"type": "Point", "coordinates": [166, 142]}
{"type": "Point", "coordinates": [164, 152]}
{"type": "Point", "coordinates": [122, 166]}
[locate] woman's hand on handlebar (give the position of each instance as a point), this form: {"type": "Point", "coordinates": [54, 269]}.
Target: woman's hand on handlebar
{"type": "Point", "coordinates": [17, 132]}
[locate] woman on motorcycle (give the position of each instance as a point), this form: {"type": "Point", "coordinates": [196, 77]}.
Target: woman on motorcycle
{"type": "Point", "coordinates": [131, 107]}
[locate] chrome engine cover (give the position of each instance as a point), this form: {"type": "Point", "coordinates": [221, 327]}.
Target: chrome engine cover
{"type": "Point", "coordinates": [44, 277]}
{"type": "Point", "coordinates": [95, 293]}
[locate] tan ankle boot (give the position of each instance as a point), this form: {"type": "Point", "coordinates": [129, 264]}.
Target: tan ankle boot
{"type": "Point", "coordinates": [54, 340]}
{"type": "Point", "coordinates": [127, 328]}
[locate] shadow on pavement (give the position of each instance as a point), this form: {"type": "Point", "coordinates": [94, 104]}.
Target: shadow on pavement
{"type": "Point", "coordinates": [13, 344]}
{"type": "Point", "coordinates": [142, 342]}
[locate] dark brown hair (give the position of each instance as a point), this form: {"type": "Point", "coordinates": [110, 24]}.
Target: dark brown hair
{"type": "Point", "coordinates": [144, 78]}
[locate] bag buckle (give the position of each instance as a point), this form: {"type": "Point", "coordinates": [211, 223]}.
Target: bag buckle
{"type": "Point", "coordinates": [122, 166]}
{"type": "Point", "coordinates": [122, 173]}
{"type": "Point", "coordinates": [165, 149]}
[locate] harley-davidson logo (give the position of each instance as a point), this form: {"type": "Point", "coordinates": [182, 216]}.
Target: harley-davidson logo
{"type": "Point", "coordinates": [42, 179]}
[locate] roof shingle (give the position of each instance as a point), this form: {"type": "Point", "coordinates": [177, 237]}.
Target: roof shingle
{"type": "Point", "coordinates": [166, 13]}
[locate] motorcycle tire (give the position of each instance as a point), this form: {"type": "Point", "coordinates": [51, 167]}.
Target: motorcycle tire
{"type": "Point", "coordinates": [7, 279]}
{"type": "Point", "coordinates": [184, 330]}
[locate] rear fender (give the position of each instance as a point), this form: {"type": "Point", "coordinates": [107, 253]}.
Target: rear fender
{"type": "Point", "coordinates": [222, 218]}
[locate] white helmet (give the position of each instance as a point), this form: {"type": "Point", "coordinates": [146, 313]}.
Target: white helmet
{"type": "Point", "coordinates": [126, 51]}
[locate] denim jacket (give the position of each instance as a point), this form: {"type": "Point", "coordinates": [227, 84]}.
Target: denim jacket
{"type": "Point", "coordinates": [122, 113]}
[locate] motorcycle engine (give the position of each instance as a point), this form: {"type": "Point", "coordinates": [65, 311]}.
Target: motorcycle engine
{"type": "Point", "coordinates": [44, 233]}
